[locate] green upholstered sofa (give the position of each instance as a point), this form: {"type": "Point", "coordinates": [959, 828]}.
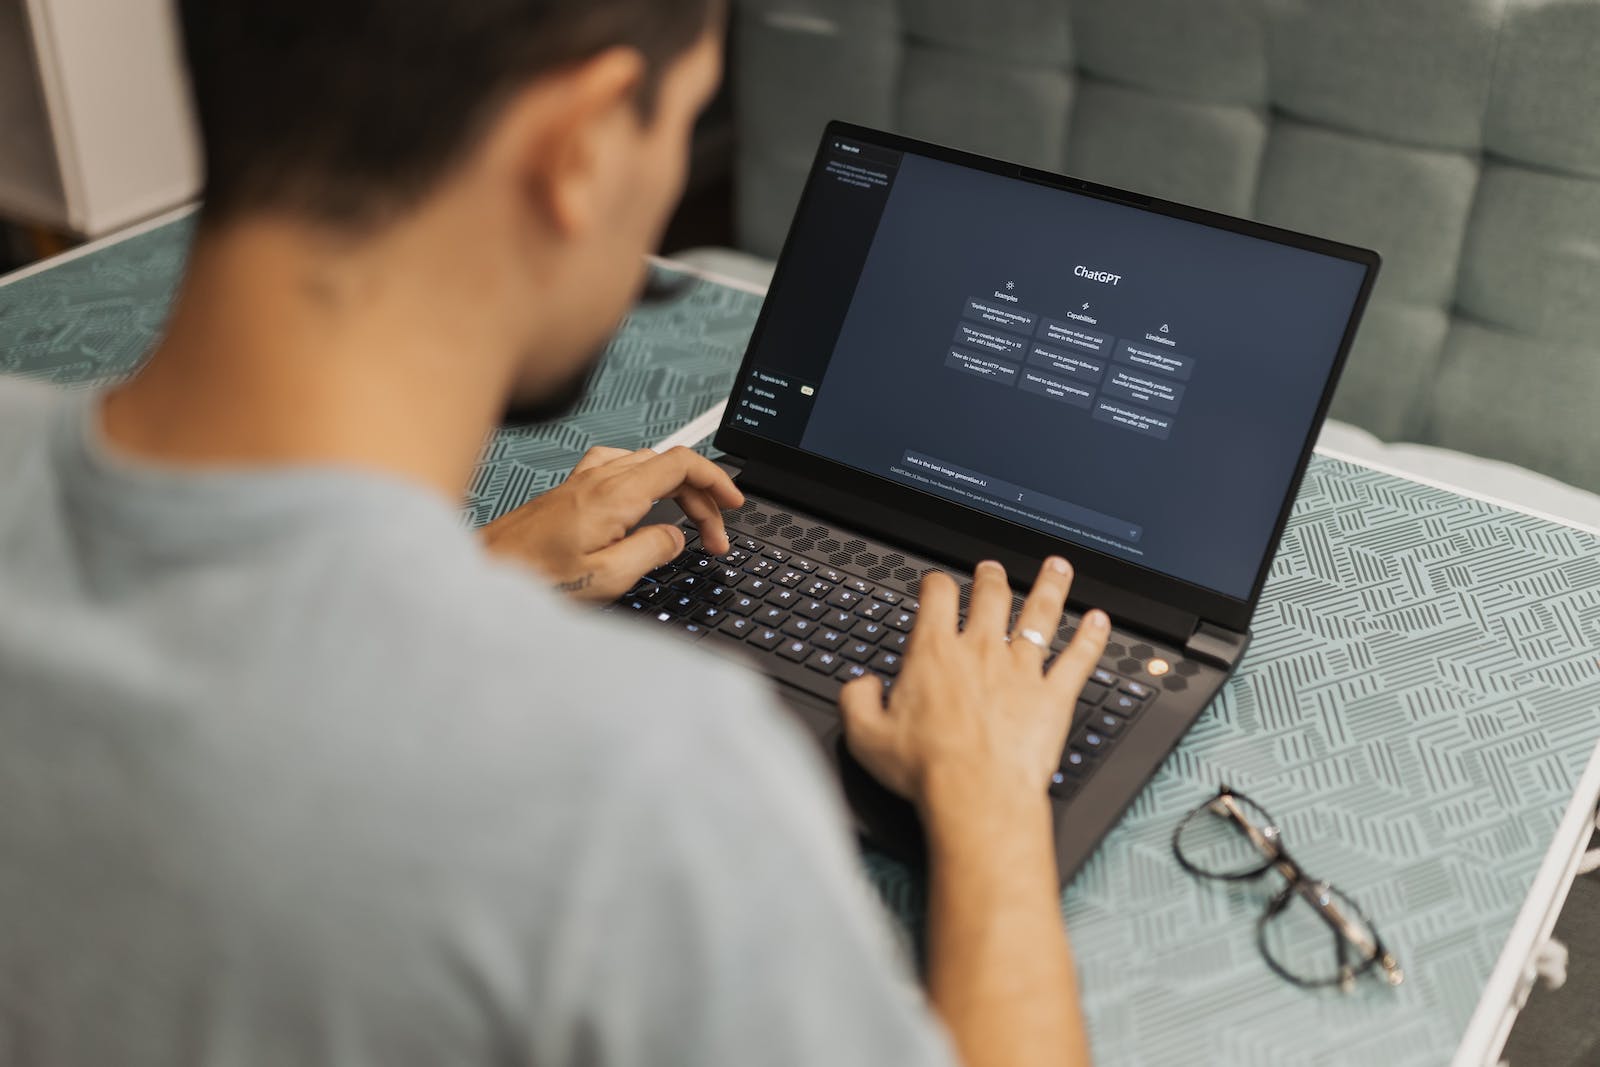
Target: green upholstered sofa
{"type": "Point", "coordinates": [1461, 138]}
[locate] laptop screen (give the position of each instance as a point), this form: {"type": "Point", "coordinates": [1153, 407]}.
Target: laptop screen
{"type": "Point", "coordinates": [1108, 375]}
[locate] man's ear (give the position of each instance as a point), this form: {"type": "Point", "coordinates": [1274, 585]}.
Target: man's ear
{"type": "Point", "coordinates": [566, 137]}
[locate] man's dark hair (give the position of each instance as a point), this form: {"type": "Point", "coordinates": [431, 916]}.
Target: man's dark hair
{"type": "Point", "coordinates": [348, 111]}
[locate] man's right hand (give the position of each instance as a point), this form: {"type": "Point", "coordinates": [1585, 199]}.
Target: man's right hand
{"type": "Point", "coordinates": [975, 718]}
{"type": "Point", "coordinates": [971, 733]}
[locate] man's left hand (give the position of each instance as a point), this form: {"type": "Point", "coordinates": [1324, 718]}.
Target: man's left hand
{"type": "Point", "coordinates": [576, 535]}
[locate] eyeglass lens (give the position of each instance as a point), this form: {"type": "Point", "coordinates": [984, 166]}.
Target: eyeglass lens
{"type": "Point", "coordinates": [1301, 941]}
{"type": "Point", "coordinates": [1214, 842]}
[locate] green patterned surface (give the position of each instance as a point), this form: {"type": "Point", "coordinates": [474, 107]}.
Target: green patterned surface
{"type": "Point", "coordinates": [1420, 699]}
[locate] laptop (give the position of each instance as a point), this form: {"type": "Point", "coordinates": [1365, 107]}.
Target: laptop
{"type": "Point", "coordinates": [962, 359]}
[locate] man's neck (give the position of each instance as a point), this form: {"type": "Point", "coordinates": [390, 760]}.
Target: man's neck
{"type": "Point", "coordinates": [284, 349]}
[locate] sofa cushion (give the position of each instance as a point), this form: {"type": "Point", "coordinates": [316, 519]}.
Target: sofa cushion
{"type": "Point", "coordinates": [1457, 137]}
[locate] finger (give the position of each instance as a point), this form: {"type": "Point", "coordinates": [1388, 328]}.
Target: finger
{"type": "Point", "coordinates": [1079, 659]}
{"type": "Point", "coordinates": [867, 729]}
{"type": "Point", "coordinates": [1041, 612]}
{"type": "Point", "coordinates": [599, 456]}
{"type": "Point", "coordinates": [936, 618]}
{"type": "Point", "coordinates": [707, 517]}
{"type": "Point", "coordinates": [990, 608]}
{"type": "Point", "coordinates": [639, 485]}
{"type": "Point", "coordinates": [613, 570]}
{"type": "Point", "coordinates": [861, 701]}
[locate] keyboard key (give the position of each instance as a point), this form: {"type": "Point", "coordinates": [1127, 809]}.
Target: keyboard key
{"type": "Point", "coordinates": [783, 597]}
{"type": "Point", "coordinates": [817, 588]}
{"type": "Point", "coordinates": [826, 638]}
{"type": "Point", "coordinates": [709, 614]}
{"type": "Point", "coordinates": [1061, 786]}
{"type": "Point", "coordinates": [755, 586]}
{"type": "Point", "coordinates": [789, 576]}
{"type": "Point", "coordinates": [632, 603]}
{"type": "Point", "coordinates": [1122, 703]}
{"type": "Point", "coordinates": [868, 631]}
{"type": "Point", "coordinates": [685, 581]}
{"type": "Point", "coordinates": [737, 625]}
{"type": "Point", "coordinates": [1104, 677]}
{"type": "Point", "coordinates": [1108, 723]}
{"type": "Point", "coordinates": [851, 671]}
{"type": "Point", "coordinates": [839, 619]}
{"type": "Point", "coordinates": [692, 630]}
{"type": "Point", "coordinates": [831, 575]}
{"type": "Point", "coordinates": [749, 544]}
{"type": "Point", "coordinates": [902, 620]}
{"type": "Point", "coordinates": [858, 651]}
{"type": "Point", "coordinates": [885, 663]}
{"type": "Point", "coordinates": [795, 649]}
{"type": "Point", "coordinates": [1138, 689]}
{"type": "Point", "coordinates": [811, 609]}
{"type": "Point", "coordinates": [1075, 764]}
{"type": "Point", "coordinates": [844, 598]}
{"type": "Point", "coordinates": [873, 609]}
{"type": "Point", "coordinates": [680, 604]}
{"type": "Point", "coordinates": [770, 615]}
{"type": "Point", "coordinates": [1093, 742]}
{"type": "Point", "coordinates": [895, 641]}
{"type": "Point", "coordinates": [729, 575]}
{"type": "Point", "coordinates": [777, 555]}
{"type": "Point", "coordinates": [742, 604]}
{"type": "Point", "coordinates": [734, 557]}
{"type": "Point", "coordinates": [765, 637]}
{"type": "Point", "coordinates": [802, 564]}
{"type": "Point", "coordinates": [860, 585]}
{"type": "Point", "coordinates": [715, 594]}
{"type": "Point", "coordinates": [824, 661]}
{"type": "Point", "coordinates": [760, 568]}
{"type": "Point", "coordinates": [701, 565]}
{"type": "Point", "coordinates": [887, 596]}
{"type": "Point", "coordinates": [1093, 692]}
{"type": "Point", "coordinates": [799, 626]}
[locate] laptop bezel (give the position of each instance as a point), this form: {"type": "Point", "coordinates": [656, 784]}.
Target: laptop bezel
{"type": "Point", "coordinates": [933, 514]}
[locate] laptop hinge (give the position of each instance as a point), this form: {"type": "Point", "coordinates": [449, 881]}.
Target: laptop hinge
{"type": "Point", "coordinates": [1129, 610]}
{"type": "Point", "coordinates": [1217, 646]}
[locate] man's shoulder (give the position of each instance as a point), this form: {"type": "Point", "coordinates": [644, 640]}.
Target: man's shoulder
{"type": "Point", "coordinates": [424, 622]}
{"type": "Point", "coordinates": [500, 623]}
{"type": "Point", "coordinates": [26, 406]}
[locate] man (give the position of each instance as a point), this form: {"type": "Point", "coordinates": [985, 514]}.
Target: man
{"type": "Point", "coordinates": [295, 770]}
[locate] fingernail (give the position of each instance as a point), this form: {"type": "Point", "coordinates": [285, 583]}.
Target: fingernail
{"type": "Point", "coordinates": [989, 565]}
{"type": "Point", "coordinates": [1057, 564]}
{"type": "Point", "coordinates": [1097, 619]}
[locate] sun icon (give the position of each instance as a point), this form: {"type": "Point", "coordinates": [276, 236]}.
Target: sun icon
{"type": "Point", "coordinates": [1011, 285]}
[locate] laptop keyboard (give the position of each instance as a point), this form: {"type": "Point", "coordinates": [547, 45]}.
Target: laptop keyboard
{"type": "Point", "coordinates": [820, 627]}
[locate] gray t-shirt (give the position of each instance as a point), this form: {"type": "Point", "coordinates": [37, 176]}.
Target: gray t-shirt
{"type": "Point", "coordinates": [292, 774]}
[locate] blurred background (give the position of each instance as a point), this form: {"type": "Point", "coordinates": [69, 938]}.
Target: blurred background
{"type": "Point", "coordinates": [1457, 137]}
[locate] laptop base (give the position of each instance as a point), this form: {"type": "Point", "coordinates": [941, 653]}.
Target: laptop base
{"type": "Point", "coordinates": [758, 604]}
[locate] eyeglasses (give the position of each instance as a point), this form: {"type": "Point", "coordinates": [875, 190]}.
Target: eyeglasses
{"type": "Point", "coordinates": [1311, 934]}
